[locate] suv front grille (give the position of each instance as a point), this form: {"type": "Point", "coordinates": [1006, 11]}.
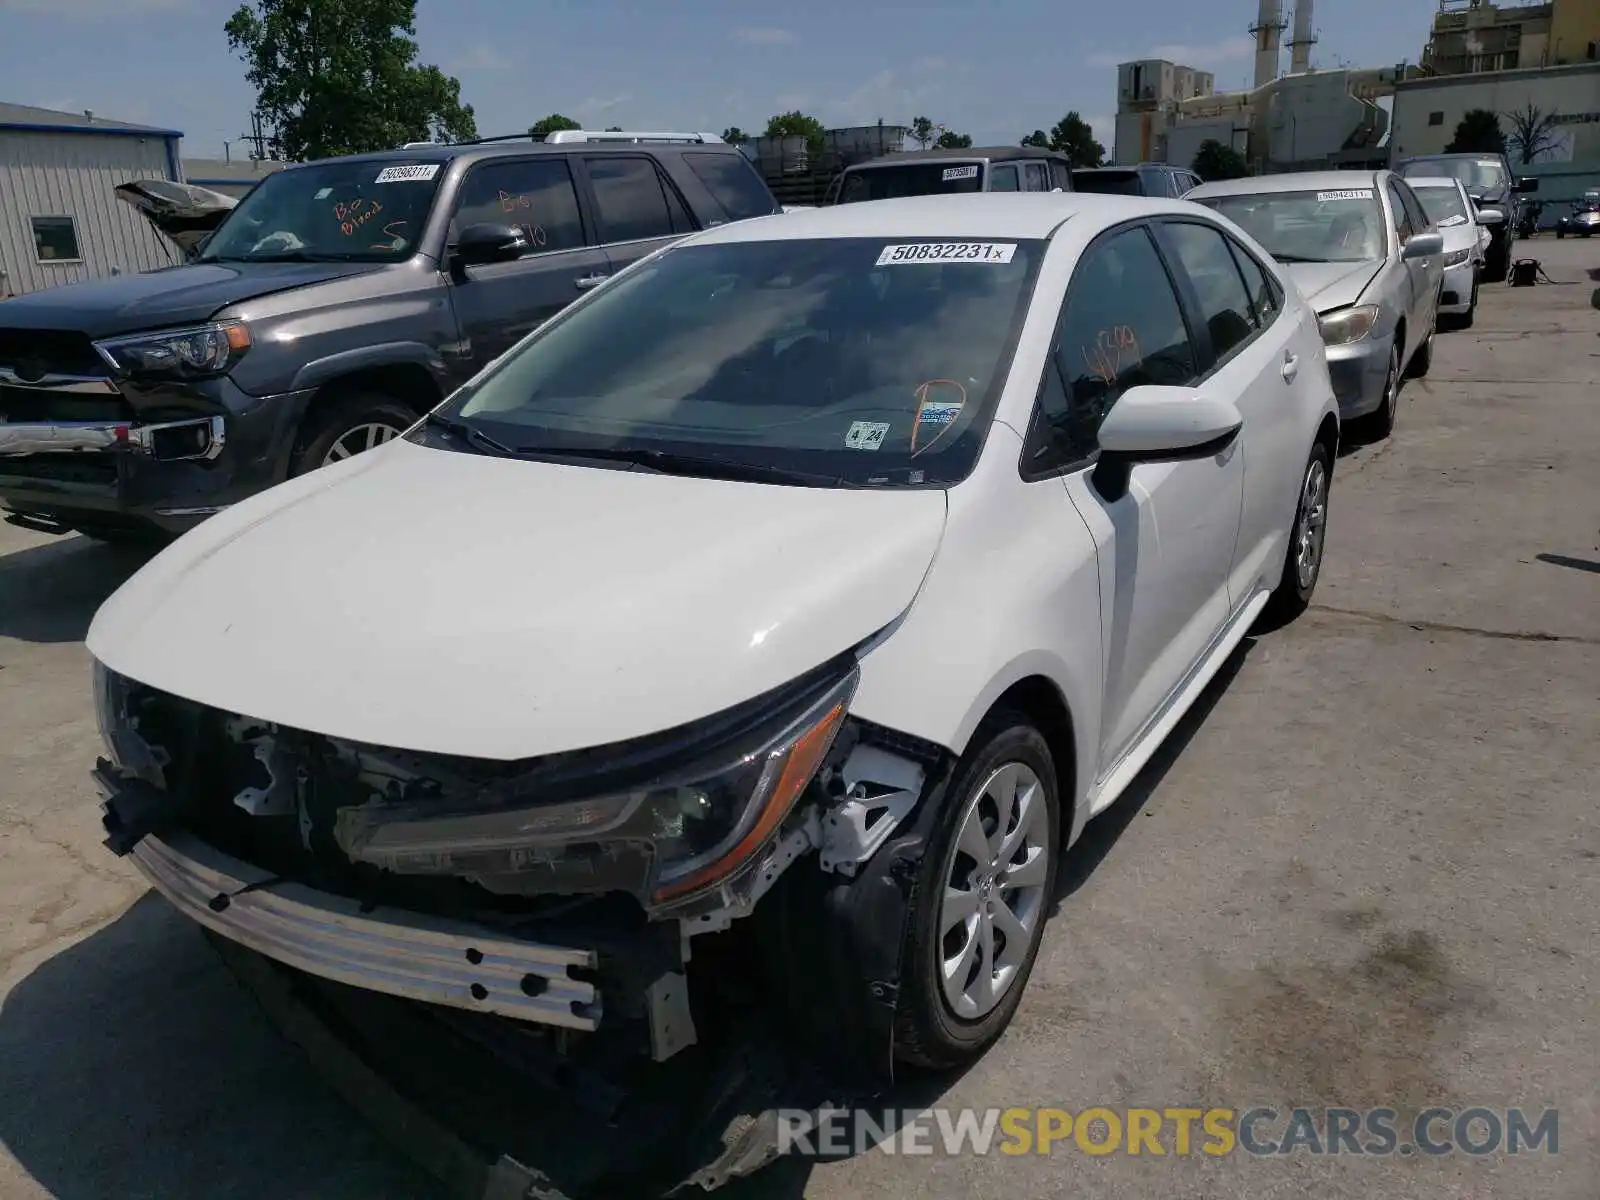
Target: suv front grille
{"type": "Point", "coordinates": [24, 404]}
{"type": "Point", "coordinates": [56, 351]}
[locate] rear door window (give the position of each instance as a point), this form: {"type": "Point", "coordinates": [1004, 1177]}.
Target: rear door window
{"type": "Point", "coordinates": [631, 199]}
{"type": "Point", "coordinates": [733, 183]}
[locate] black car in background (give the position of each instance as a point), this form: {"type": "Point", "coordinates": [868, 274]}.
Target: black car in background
{"type": "Point", "coordinates": [322, 314]}
{"type": "Point", "coordinates": [1142, 179]}
{"type": "Point", "coordinates": [1489, 181]}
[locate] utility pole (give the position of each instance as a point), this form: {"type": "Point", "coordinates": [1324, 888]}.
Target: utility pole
{"type": "Point", "coordinates": [259, 138]}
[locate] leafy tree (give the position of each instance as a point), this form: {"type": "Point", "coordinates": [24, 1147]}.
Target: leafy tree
{"type": "Point", "coordinates": [1218, 161]}
{"type": "Point", "coordinates": [1478, 132]}
{"type": "Point", "coordinates": [1533, 132]}
{"type": "Point", "coordinates": [735, 135]}
{"type": "Point", "coordinates": [341, 76]}
{"type": "Point", "coordinates": [551, 124]}
{"type": "Point", "coordinates": [950, 140]}
{"type": "Point", "coordinates": [922, 132]}
{"type": "Point", "coordinates": [1037, 138]}
{"type": "Point", "coordinates": [798, 124]}
{"type": "Point", "coordinates": [1072, 136]}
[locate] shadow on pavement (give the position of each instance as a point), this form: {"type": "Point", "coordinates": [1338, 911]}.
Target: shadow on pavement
{"type": "Point", "coordinates": [131, 1064]}
{"type": "Point", "coordinates": [49, 593]}
{"type": "Point", "coordinates": [1577, 564]}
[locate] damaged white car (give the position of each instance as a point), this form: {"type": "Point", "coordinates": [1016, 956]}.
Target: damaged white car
{"type": "Point", "coordinates": [815, 578]}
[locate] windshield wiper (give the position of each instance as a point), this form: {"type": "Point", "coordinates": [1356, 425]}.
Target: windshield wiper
{"type": "Point", "coordinates": [470, 434]}
{"type": "Point", "coordinates": [707, 466]}
{"type": "Point", "coordinates": [296, 256]}
{"type": "Point", "coordinates": [1301, 258]}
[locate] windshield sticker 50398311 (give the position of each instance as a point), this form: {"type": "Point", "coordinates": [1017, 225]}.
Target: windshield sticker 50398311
{"type": "Point", "coordinates": [942, 252]}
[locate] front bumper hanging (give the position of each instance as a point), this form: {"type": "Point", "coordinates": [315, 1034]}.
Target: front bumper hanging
{"type": "Point", "coordinates": [383, 950]}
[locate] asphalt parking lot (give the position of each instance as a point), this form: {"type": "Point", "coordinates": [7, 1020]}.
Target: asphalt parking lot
{"type": "Point", "coordinates": [1365, 872]}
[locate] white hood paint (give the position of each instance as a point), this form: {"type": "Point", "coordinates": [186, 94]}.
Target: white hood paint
{"type": "Point", "coordinates": [1332, 285]}
{"type": "Point", "coordinates": [462, 604]}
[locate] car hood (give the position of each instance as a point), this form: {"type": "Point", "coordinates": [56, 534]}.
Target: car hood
{"type": "Point", "coordinates": [461, 604]}
{"type": "Point", "coordinates": [164, 298]}
{"type": "Point", "coordinates": [1332, 285]}
{"type": "Point", "coordinates": [183, 213]}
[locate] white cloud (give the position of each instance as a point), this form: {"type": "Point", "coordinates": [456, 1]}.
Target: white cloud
{"type": "Point", "coordinates": [886, 95]}
{"type": "Point", "coordinates": [1203, 55]}
{"type": "Point", "coordinates": [594, 106]}
{"type": "Point", "coordinates": [764, 36]}
{"type": "Point", "coordinates": [481, 57]}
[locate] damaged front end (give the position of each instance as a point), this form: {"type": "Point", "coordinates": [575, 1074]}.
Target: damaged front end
{"type": "Point", "coordinates": [562, 892]}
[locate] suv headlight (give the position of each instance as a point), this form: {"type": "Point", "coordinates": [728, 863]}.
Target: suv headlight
{"type": "Point", "coordinates": [701, 828]}
{"type": "Point", "coordinates": [1456, 257]}
{"type": "Point", "coordinates": [195, 353]}
{"type": "Point", "coordinates": [1347, 324]}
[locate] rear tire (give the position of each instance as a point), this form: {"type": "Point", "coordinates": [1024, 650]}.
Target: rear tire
{"type": "Point", "coordinates": [356, 423]}
{"type": "Point", "coordinates": [966, 877]}
{"type": "Point", "coordinates": [1302, 562]}
{"type": "Point", "coordinates": [1497, 265]}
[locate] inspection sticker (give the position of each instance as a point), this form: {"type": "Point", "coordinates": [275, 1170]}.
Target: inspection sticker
{"type": "Point", "coordinates": [937, 252]}
{"type": "Point", "coordinates": [866, 435]}
{"type": "Point", "coordinates": [1345, 194]}
{"type": "Point", "coordinates": [970, 172]}
{"type": "Point", "coordinates": [420, 173]}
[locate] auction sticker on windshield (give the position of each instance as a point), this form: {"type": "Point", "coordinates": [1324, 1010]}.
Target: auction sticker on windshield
{"type": "Point", "coordinates": [937, 252]}
{"type": "Point", "coordinates": [969, 172]}
{"type": "Point", "coordinates": [1345, 194]}
{"type": "Point", "coordinates": [420, 173]}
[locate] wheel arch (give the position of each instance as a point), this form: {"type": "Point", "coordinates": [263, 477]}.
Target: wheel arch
{"type": "Point", "coordinates": [1039, 699]}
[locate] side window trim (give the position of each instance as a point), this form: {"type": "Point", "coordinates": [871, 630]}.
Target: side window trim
{"type": "Point", "coordinates": [1189, 299]}
{"type": "Point", "coordinates": [1240, 252]}
{"type": "Point", "coordinates": [580, 191]}
{"type": "Point", "coordinates": [1399, 217]}
{"type": "Point", "coordinates": [1035, 418]}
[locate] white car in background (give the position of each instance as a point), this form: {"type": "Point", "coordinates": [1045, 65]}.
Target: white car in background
{"type": "Point", "coordinates": [828, 574]}
{"type": "Point", "coordinates": [1465, 229]}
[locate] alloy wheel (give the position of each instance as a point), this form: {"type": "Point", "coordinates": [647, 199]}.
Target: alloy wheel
{"type": "Point", "coordinates": [359, 438]}
{"type": "Point", "coordinates": [994, 892]}
{"type": "Point", "coordinates": [1312, 526]}
{"type": "Point", "coordinates": [1391, 385]}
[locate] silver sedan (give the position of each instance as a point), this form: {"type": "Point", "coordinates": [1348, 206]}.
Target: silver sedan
{"type": "Point", "coordinates": [1362, 251]}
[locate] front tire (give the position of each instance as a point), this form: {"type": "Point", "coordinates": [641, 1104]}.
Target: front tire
{"type": "Point", "coordinates": [1380, 424]}
{"type": "Point", "coordinates": [984, 889]}
{"type": "Point", "coordinates": [1497, 264]}
{"type": "Point", "coordinates": [348, 427]}
{"type": "Point", "coordinates": [1422, 360]}
{"type": "Point", "coordinates": [1302, 564]}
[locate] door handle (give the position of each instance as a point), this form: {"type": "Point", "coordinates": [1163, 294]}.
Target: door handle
{"type": "Point", "coordinates": [585, 282]}
{"type": "Point", "coordinates": [1291, 367]}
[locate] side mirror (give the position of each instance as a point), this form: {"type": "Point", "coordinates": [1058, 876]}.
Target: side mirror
{"type": "Point", "coordinates": [1528, 183]}
{"type": "Point", "coordinates": [1160, 424]}
{"type": "Point", "coordinates": [1422, 245]}
{"type": "Point", "coordinates": [490, 243]}
{"type": "Point", "coordinates": [1491, 216]}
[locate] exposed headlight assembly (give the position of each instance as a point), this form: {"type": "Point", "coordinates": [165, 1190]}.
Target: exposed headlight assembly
{"type": "Point", "coordinates": [697, 830]}
{"type": "Point", "coordinates": [1346, 325]}
{"type": "Point", "coordinates": [1456, 257]}
{"type": "Point", "coordinates": [195, 353]}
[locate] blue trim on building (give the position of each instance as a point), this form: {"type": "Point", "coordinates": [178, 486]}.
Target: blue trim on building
{"type": "Point", "coordinates": [108, 130]}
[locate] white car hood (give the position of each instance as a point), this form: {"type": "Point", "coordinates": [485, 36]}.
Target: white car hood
{"type": "Point", "coordinates": [1332, 285]}
{"type": "Point", "coordinates": [462, 604]}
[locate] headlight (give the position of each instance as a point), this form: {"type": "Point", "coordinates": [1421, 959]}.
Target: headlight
{"type": "Point", "coordinates": [1456, 257]}
{"type": "Point", "coordinates": [125, 746]}
{"type": "Point", "coordinates": [1347, 324]}
{"type": "Point", "coordinates": [697, 830]}
{"type": "Point", "coordinates": [195, 353]}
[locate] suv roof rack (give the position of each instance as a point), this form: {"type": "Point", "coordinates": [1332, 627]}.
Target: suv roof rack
{"type": "Point", "coordinates": [625, 135]}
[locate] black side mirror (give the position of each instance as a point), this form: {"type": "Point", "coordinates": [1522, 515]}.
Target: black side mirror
{"type": "Point", "coordinates": [1528, 183]}
{"type": "Point", "coordinates": [490, 243]}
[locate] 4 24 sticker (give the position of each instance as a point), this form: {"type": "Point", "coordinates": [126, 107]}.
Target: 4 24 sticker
{"type": "Point", "coordinates": [941, 252]}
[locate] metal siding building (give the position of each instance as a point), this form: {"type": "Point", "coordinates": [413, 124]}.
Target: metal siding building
{"type": "Point", "coordinates": [66, 166]}
{"type": "Point", "coordinates": [232, 178]}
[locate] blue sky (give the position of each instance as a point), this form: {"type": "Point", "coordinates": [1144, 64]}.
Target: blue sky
{"type": "Point", "coordinates": [994, 69]}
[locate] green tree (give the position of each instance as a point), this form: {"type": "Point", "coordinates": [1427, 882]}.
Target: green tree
{"type": "Point", "coordinates": [1218, 161]}
{"type": "Point", "coordinates": [798, 124]}
{"type": "Point", "coordinates": [951, 140]}
{"type": "Point", "coordinates": [551, 124]}
{"type": "Point", "coordinates": [922, 132]}
{"type": "Point", "coordinates": [341, 76]}
{"type": "Point", "coordinates": [1478, 132]}
{"type": "Point", "coordinates": [735, 135]}
{"type": "Point", "coordinates": [1037, 138]}
{"type": "Point", "coordinates": [1072, 136]}
{"type": "Point", "coordinates": [1533, 132]}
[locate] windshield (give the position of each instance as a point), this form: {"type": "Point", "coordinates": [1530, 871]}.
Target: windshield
{"type": "Point", "coordinates": [1343, 225]}
{"type": "Point", "coordinates": [1108, 183]}
{"type": "Point", "coordinates": [1443, 206]}
{"type": "Point", "coordinates": [1479, 174]}
{"type": "Point", "coordinates": [910, 179]}
{"type": "Point", "coordinates": [369, 210]}
{"type": "Point", "coordinates": [856, 361]}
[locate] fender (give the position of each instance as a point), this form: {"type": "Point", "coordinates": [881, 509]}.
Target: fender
{"type": "Point", "coordinates": [385, 354]}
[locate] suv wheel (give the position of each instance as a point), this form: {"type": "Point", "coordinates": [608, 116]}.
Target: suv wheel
{"type": "Point", "coordinates": [986, 885]}
{"type": "Point", "coordinates": [356, 423]}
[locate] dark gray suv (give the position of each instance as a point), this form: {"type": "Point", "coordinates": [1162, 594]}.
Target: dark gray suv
{"type": "Point", "coordinates": [323, 314]}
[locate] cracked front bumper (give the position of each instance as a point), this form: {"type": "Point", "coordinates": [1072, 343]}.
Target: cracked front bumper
{"type": "Point", "coordinates": [383, 949]}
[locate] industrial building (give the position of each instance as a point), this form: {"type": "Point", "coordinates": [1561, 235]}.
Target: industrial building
{"type": "Point", "coordinates": [1304, 120]}
{"type": "Point", "coordinates": [60, 220]}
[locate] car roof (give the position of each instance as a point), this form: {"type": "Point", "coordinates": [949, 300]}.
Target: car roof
{"type": "Point", "coordinates": [969, 215]}
{"type": "Point", "coordinates": [1125, 168]}
{"type": "Point", "coordinates": [517, 146]}
{"type": "Point", "coordinates": [1293, 181]}
{"type": "Point", "coordinates": [1411, 158]}
{"type": "Point", "coordinates": [944, 154]}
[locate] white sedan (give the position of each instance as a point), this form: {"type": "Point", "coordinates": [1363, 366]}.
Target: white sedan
{"type": "Point", "coordinates": [819, 577]}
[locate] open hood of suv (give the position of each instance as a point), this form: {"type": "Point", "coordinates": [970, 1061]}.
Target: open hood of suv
{"type": "Point", "coordinates": [499, 608]}
{"type": "Point", "coordinates": [181, 212]}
